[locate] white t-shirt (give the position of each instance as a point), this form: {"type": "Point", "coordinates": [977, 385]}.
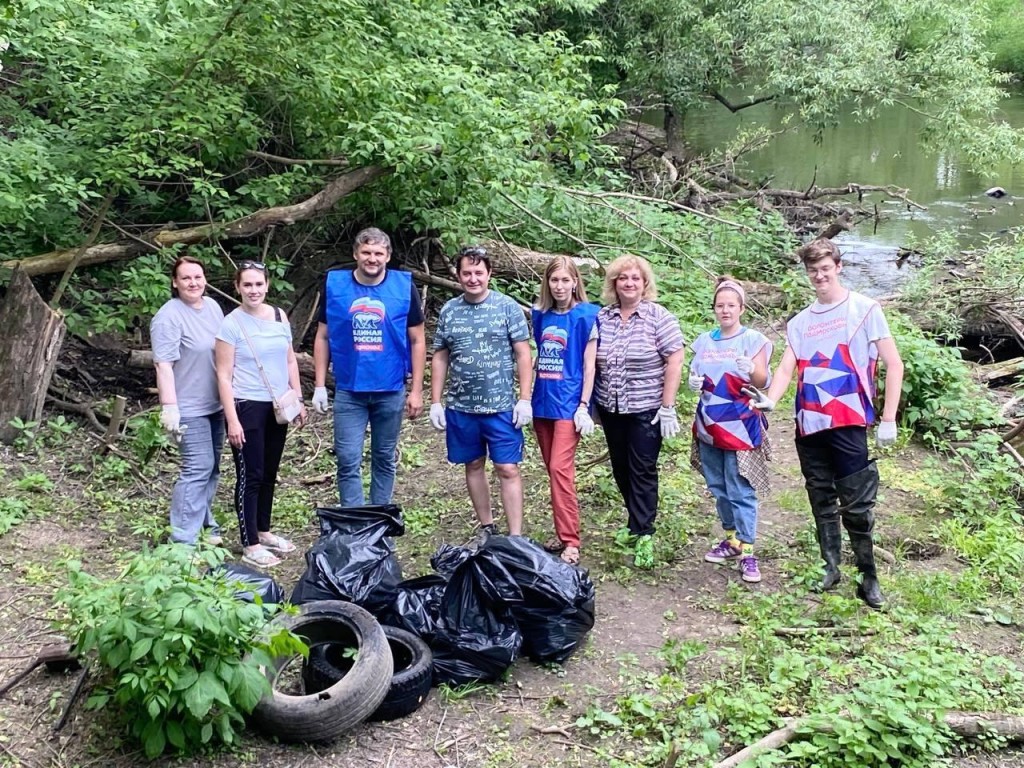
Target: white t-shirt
{"type": "Point", "coordinates": [836, 357]}
{"type": "Point", "coordinates": [272, 340]}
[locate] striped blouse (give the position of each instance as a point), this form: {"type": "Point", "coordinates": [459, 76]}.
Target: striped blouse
{"type": "Point", "coordinates": [631, 356]}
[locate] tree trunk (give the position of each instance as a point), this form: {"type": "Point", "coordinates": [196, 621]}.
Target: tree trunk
{"type": "Point", "coordinates": [33, 334]}
{"type": "Point", "coordinates": [674, 133]}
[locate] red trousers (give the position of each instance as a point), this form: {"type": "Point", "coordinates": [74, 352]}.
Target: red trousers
{"type": "Point", "coordinates": [558, 439]}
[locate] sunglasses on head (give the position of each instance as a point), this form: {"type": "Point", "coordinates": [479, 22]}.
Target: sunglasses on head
{"type": "Point", "coordinates": [252, 265]}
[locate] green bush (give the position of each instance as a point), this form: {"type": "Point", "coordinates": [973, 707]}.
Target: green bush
{"type": "Point", "coordinates": [181, 656]}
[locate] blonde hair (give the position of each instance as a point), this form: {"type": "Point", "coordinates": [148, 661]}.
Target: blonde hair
{"type": "Point", "coordinates": [546, 302]}
{"type": "Point", "coordinates": [621, 264]}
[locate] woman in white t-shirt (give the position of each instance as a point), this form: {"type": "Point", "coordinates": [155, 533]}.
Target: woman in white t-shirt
{"type": "Point", "coordinates": [182, 333]}
{"type": "Point", "coordinates": [255, 336]}
{"type": "Point", "coordinates": [729, 437]}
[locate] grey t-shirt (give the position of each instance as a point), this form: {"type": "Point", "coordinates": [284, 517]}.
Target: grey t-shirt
{"type": "Point", "coordinates": [184, 337]}
{"type": "Point", "coordinates": [481, 363]}
{"type": "Point", "coordinates": [272, 340]}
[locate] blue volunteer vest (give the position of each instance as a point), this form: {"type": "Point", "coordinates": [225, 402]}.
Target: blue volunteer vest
{"type": "Point", "coordinates": [561, 341]}
{"type": "Point", "coordinates": [367, 331]}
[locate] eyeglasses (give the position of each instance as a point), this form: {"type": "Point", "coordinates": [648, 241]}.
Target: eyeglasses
{"type": "Point", "coordinates": [252, 265]}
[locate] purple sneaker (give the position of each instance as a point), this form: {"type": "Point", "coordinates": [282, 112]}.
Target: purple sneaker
{"type": "Point", "coordinates": [722, 552]}
{"type": "Point", "coordinates": [749, 570]}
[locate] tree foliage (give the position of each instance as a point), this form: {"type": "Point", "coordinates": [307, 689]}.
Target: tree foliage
{"type": "Point", "coordinates": [813, 59]}
{"type": "Point", "coordinates": [162, 103]}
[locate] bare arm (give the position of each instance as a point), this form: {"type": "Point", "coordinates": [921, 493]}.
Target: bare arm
{"type": "Point", "coordinates": [589, 370]}
{"type": "Point", "coordinates": [893, 377]}
{"type": "Point", "coordinates": [294, 382]}
{"type": "Point", "coordinates": [673, 375]}
{"type": "Point", "coordinates": [438, 374]}
{"type": "Point", "coordinates": [224, 354]}
{"type": "Point", "coordinates": [760, 375]}
{"type": "Point", "coordinates": [780, 383]}
{"type": "Point", "coordinates": [524, 367]}
{"type": "Point", "coordinates": [418, 353]}
{"type": "Point", "coordinates": [165, 383]}
{"type": "Point", "coordinates": [321, 355]}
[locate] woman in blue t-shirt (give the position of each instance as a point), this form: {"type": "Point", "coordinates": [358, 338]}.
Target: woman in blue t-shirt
{"type": "Point", "coordinates": [565, 333]}
{"type": "Point", "coordinates": [730, 444]}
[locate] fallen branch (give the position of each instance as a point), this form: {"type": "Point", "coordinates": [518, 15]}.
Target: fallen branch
{"type": "Point", "coordinates": [814, 193]}
{"type": "Point", "coordinates": [834, 631]}
{"type": "Point", "coordinates": [967, 725]}
{"type": "Point", "coordinates": [246, 226]}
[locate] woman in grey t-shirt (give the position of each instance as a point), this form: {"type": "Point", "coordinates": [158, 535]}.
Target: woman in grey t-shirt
{"type": "Point", "coordinates": [182, 333]}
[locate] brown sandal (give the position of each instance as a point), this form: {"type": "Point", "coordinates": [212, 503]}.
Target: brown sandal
{"type": "Point", "coordinates": [571, 555]}
{"type": "Point", "coordinates": [554, 545]}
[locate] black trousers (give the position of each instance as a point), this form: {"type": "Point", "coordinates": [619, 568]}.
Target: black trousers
{"type": "Point", "coordinates": [633, 447]}
{"type": "Point", "coordinates": [828, 456]}
{"type": "Point", "coordinates": [256, 465]}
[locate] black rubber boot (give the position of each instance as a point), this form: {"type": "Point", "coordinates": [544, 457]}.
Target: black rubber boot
{"type": "Point", "coordinates": [857, 503]}
{"type": "Point", "coordinates": [824, 499]}
{"type": "Point", "coordinates": [830, 542]}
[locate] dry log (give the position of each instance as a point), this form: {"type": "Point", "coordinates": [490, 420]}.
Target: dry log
{"type": "Point", "coordinates": [814, 193]}
{"type": "Point", "coordinates": [143, 358]}
{"type": "Point", "coordinates": [511, 259]}
{"type": "Point", "coordinates": [247, 226]}
{"type": "Point", "coordinates": [967, 725]}
{"type": "Point", "coordinates": [33, 334]}
{"type": "Point", "coordinates": [1003, 370]}
{"type": "Point", "coordinates": [116, 416]}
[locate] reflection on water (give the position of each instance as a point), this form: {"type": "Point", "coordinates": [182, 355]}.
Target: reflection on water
{"type": "Point", "coordinates": [883, 151]}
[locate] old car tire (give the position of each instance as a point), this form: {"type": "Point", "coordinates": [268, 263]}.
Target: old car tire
{"type": "Point", "coordinates": [325, 715]}
{"type": "Point", "coordinates": [410, 684]}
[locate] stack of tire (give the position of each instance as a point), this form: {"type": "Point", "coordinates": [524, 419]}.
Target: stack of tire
{"type": "Point", "coordinates": [388, 677]}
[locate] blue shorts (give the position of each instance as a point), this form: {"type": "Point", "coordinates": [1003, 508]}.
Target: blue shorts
{"type": "Point", "coordinates": [471, 436]}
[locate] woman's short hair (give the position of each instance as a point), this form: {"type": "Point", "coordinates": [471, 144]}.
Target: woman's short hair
{"type": "Point", "coordinates": [174, 270]}
{"type": "Point", "coordinates": [546, 301]}
{"type": "Point", "coordinates": [620, 265]}
{"type": "Point", "coordinates": [819, 249]}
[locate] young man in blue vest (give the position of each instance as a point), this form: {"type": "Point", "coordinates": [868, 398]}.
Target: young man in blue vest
{"type": "Point", "coordinates": [371, 329]}
{"type": "Point", "coordinates": [481, 344]}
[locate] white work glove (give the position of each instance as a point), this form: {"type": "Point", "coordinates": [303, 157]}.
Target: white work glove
{"type": "Point", "coordinates": [885, 435]}
{"type": "Point", "coordinates": [669, 421]}
{"type": "Point", "coordinates": [695, 381]}
{"type": "Point", "coordinates": [582, 421]}
{"type": "Point", "coordinates": [170, 420]}
{"type": "Point", "coordinates": [437, 419]}
{"type": "Point", "coordinates": [744, 365]}
{"type": "Point", "coordinates": [320, 399]}
{"type": "Point", "coordinates": [758, 399]}
{"type": "Point", "coordinates": [522, 414]}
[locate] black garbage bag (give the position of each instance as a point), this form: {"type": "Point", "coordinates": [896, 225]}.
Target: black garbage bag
{"type": "Point", "coordinates": [477, 638]}
{"type": "Point", "coordinates": [417, 606]}
{"type": "Point", "coordinates": [359, 568]}
{"type": "Point", "coordinates": [257, 584]}
{"type": "Point", "coordinates": [356, 520]}
{"type": "Point", "coordinates": [449, 557]}
{"type": "Point", "coordinates": [557, 609]}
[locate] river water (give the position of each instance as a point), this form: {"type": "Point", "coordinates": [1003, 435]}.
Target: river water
{"type": "Point", "coordinates": [882, 151]}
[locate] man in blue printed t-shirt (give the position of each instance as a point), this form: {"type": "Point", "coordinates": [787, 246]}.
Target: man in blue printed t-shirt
{"type": "Point", "coordinates": [371, 329]}
{"type": "Point", "coordinates": [481, 343]}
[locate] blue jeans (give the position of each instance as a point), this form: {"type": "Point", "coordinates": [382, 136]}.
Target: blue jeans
{"type": "Point", "coordinates": [734, 496]}
{"type": "Point", "coordinates": [192, 498]}
{"type": "Point", "coordinates": [352, 412]}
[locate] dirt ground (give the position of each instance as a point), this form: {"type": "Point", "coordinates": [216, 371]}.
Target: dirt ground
{"type": "Point", "coordinates": [526, 721]}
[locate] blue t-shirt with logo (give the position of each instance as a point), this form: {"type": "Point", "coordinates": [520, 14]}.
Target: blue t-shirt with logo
{"type": "Point", "coordinates": [481, 361]}
{"type": "Point", "coordinates": [561, 339]}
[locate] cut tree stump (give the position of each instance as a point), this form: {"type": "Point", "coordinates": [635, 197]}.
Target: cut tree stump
{"type": "Point", "coordinates": [32, 338]}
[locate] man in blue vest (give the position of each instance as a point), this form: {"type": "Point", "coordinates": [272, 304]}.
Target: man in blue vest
{"type": "Point", "coordinates": [371, 329]}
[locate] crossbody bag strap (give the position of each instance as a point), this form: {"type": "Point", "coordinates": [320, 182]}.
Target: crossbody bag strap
{"type": "Point", "coordinates": [263, 373]}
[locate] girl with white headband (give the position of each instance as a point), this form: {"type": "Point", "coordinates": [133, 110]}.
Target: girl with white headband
{"type": "Point", "coordinates": [729, 436]}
